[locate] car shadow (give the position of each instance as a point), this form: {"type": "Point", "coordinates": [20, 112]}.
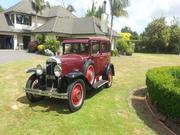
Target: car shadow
{"type": "Point", "coordinates": [52, 104]}
{"type": "Point", "coordinates": [139, 104]}
{"type": "Point", "coordinates": [48, 104]}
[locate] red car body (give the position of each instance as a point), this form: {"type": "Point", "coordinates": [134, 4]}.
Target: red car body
{"type": "Point", "coordinates": [75, 62]}
{"type": "Point", "coordinates": [83, 63]}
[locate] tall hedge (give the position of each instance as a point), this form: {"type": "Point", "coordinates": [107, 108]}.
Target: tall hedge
{"type": "Point", "coordinates": [163, 86]}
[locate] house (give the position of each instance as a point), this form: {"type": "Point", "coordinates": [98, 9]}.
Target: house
{"type": "Point", "coordinates": [18, 25]}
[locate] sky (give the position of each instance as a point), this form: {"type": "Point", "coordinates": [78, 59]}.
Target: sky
{"type": "Point", "coordinates": [141, 12]}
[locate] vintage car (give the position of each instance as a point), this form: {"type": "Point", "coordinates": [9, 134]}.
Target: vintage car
{"type": "Point", "coordinates": [84, 64]}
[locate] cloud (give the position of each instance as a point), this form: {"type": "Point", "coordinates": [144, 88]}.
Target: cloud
{"type": "Point", "coordinates": [141, 12]}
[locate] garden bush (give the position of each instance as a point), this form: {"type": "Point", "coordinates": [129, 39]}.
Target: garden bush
{"type": "Point", "coordinates": [32, 46]}
{"type": "Point", "coordinates": [52, 45]}
{"type": "Point", "coordinates": [40, 38]}
{"type": "Point", "coordinates": [163, 86]}
{"type": "Point", "coordinates": [114, 52]}
{"type": "Point", "coordinates": [40, 49]}
{"type": "Point", "coordinates": [125, 47]}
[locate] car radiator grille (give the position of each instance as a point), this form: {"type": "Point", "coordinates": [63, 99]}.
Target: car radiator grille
{"type": "Point", "coordinates": [50, 68]}
{"type": "Point", "coordinates": [50, 77]}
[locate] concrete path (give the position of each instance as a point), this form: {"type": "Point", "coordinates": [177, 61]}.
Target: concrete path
{"type": "Point", "coordinates": [7, 56]}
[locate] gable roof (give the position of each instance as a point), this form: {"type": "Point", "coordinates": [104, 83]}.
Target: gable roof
{"type": "Point", "coordinates": [73, 26]}
{"type": "Point", "coordinates": [25, 6]}
{"type": "Point", "coordinates": [4, 23]}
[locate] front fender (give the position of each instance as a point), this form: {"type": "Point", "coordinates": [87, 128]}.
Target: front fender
{"type": "Point", "coordinates": [32, 70]}
{"type": "Point", "coordinates": [75, 75]}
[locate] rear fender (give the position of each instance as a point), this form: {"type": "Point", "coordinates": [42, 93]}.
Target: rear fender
{"type": "Point", "coordinates": [110, 66]}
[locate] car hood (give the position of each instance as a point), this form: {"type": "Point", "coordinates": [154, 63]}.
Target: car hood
{"type": "Point", "coordinates": [71, 58]}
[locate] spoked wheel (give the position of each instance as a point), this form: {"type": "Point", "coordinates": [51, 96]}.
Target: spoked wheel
{"type": "Point", "coordinates": [109, 78]}
{"type": "Point", "coordinates": [33, 83]}
{"type": "Point", "coordinates": [76, 95]}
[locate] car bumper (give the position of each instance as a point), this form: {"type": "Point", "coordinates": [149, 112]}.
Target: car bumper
{"type": "Point", "coordinates": [52, 93]}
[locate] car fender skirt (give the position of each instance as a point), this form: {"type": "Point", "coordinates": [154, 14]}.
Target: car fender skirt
{"type": "Point", "coordinates": [32, 70]}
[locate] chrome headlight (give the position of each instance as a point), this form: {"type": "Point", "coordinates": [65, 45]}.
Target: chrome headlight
{"type": "Point", "coordinates": [39, 70]}
{"type": "Point", "coordinates": [57, 70]}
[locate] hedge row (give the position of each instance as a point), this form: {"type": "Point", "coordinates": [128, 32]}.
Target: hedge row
{"type": "Point", "coordinates": [163, 86]}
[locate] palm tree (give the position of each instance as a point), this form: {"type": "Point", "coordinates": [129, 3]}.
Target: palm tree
{"type": "Point", "coordinates": [1, 8]}
{"type": "Point", "coordinates": [70, 8]}
{"type": "Point", "coordinates": [94, 11]}
{"type": "Point", "coordinates": [117, 10]}
{"type": "Point", "coordinates": [38, 6]}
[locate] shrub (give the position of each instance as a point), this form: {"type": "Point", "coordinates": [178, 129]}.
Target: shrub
{"type": "Point", "coordinates": [125, 47]}
{"type": "Point", "coordinates": [40, 38]}
{"type": "Point", "coordinates": [163, 86]}
{"type": "Point", "coordinates": [122, 45]}
{"type": "Point", "coordinates": [32, 46]}
{"type": "Point", "coordinates": [114, 52]}
{"type": "Point", "coordinates": [52, 45]}
{"type": "Point", "coordinates": [40, 49]}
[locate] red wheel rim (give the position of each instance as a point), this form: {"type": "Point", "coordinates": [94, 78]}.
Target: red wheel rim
{"type": "Point", "coordinates": [90, 74]}
{"type": "Point", "coordinates": [109, 78]}
{"type": "Point", "coordinates": [77, 94]}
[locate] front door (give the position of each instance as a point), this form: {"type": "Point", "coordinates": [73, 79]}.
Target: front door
{"type": "Point", "coordinates": [26, 40]}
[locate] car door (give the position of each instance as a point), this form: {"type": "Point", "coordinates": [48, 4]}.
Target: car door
{"type": "Point", "coordinates": [105, 55]}
{"type": "Point", "coordinates": [96, 56]}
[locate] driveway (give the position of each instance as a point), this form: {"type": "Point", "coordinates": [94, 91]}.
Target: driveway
{"type": "Point", "coordinates": [7, 56]}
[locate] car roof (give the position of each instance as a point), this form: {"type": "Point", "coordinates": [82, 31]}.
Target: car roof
{"type": "Point", "coordinates": [85, 40]}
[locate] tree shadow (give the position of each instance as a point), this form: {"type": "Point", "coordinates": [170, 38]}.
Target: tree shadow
{"type": "Point", "coordinates": [52, 104]}
{"type": "Point", "coordinates": [143, 112]}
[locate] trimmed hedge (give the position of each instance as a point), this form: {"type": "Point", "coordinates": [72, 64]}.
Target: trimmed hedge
{"type": "Point", "coordinates": [163, 86]}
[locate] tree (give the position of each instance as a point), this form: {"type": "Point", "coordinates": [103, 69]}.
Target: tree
{"type": "Point", "coordinates": [158, 33]}
{"type": "Point", "coordinates": [94, 11]}
{"type": "Point", "coordinates": [70, 8]}
{"type": "Point", "coordinates": [174, 42]}
{"type": "Point", "coordinates": [117, 10]}
{"type": "Point", "coordinates": [134, 34]}
{"type": "Point", "coordinates": [38, 6]}
{"type": "Point", "coordinates": [1, 9]}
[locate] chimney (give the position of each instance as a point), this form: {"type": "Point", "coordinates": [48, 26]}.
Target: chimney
{"type": "Point", "coordinates": [104, 6]}
{"type": "Point", "coordinates": [104, 19]}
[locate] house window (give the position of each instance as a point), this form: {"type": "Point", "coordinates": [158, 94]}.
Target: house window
{"type": "Point", "coordinates": [12, 18]}
{"type": "Point", "coordinates": [23, 19]}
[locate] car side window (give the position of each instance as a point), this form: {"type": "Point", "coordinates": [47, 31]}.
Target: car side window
{"type": "Point", "coordinates": [95, 47]}
{"type": "Point", "coordinates": [104, 47]}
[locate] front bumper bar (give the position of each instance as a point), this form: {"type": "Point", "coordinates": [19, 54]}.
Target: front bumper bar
{"type": "Point", "coordinates": [48, 93]}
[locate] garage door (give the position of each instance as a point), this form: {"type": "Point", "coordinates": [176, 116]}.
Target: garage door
{"type": "Point", "coordinates": [6, 42]}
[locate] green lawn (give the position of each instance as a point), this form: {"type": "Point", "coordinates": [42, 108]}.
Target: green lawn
{"type": "Point", "coordinates": [108, 112]}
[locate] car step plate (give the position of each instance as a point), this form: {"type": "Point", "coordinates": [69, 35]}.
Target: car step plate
{"type": "Point", "coordinates": [99, 84]}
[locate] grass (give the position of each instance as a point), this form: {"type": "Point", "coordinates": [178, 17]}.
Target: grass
{"type": "Point", "coordinates": [105, 112]}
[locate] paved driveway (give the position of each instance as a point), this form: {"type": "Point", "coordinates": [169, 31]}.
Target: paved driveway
{"type": "Point", "coordinates": [7, 56]}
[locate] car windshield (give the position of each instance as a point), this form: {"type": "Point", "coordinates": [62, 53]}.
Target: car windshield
{"type": "Point", "coordinates": [75, 48]}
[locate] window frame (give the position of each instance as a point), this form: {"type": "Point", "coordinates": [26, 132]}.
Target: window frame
{"type": "Point", "coordinates": [98, 47]}
{"type": "Point", "coordinates": [23, 17]}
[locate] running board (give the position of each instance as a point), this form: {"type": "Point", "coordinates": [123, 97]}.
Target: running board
{"type": "Point", "coordinates": [99, 84]}
{"type": "Point", "coordinates": [48, 93]}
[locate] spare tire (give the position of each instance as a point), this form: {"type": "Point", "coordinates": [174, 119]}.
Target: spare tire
{"type": "Point", "coordinates": [89, 71]}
